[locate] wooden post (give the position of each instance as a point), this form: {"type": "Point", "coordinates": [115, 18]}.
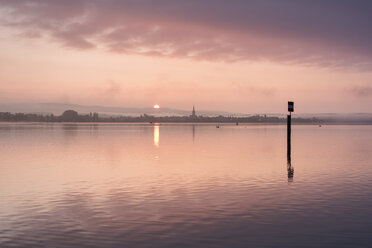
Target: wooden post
{"type": "Point", "coordinates": [289, 126]}
{"type": "Point", "coordinates": [289, 120]}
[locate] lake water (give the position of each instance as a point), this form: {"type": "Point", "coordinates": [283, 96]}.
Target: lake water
{"type": "Point", "coordinates": [183, 185]}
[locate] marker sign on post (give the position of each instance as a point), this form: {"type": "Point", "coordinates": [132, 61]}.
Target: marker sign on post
{"type": "Point", "coordinates": [290, 106]}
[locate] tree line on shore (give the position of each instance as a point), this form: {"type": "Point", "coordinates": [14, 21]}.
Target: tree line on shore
{"type": "Point", "coordinates": [73, 116]}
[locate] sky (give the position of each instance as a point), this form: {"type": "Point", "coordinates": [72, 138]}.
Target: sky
{"type": "Point", "coordinates": [246, 56]}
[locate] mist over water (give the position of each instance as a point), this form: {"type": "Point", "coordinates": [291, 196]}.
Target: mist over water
{"type": "Point", "coordinates": [184, 185]}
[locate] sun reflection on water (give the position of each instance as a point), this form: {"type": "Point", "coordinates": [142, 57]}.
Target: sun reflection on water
{"type": "Point", "coordinates": [156, 135]}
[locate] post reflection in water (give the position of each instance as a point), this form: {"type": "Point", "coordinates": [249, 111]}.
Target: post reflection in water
{"type": "Point", "coordinates": [290, 169]}
{"type": "Point", "coordinates": [156, 135]}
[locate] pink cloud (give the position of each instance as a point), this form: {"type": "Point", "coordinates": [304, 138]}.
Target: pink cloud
{"type": "Point", "coordinates": [317, 34]}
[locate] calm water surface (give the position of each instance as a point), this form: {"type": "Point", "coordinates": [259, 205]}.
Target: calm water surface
{"type": "Point", "coordinates": [142, 185]}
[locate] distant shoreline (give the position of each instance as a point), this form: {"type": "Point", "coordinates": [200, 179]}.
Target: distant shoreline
{"type": "Point", "coordinates": [191, 123]}
{"type": "Point", "coordinates": [71, 116]}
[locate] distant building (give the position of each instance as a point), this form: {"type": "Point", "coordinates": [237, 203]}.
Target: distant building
{"type": "Point", "coordinates": [193, 113]}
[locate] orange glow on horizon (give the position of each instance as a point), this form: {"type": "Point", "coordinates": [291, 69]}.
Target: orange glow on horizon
{"type": "Point", "coordinates": [156, 106]}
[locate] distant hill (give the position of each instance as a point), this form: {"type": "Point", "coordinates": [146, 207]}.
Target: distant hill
{"type": "Point", "coordinates": [59, 108]}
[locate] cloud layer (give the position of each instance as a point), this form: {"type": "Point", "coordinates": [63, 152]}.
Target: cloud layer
{"type": "Point", "coordinates": [323, 33]}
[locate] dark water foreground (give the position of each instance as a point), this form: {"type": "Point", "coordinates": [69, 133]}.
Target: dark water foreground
{"type": "Point", "coordinates": [106, 185]}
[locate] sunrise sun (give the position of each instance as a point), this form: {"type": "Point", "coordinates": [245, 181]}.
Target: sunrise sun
{"type": "Point", "coordinates": [156, 106]}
